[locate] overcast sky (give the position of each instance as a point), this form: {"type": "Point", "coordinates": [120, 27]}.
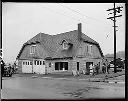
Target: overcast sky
{"type": "Point", "coordinates": [22, 21]}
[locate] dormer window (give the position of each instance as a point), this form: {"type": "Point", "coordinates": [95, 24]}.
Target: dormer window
{"type": "Point", "coordinates": [65, 45]}
{"type": "Point", "coordinates": [32, 49]}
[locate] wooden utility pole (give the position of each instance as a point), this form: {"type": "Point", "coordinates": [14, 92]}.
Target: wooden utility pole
{"type": "Point", "coordinates": [116, 10]}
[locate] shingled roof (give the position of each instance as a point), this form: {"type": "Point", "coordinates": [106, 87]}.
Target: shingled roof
{"type": "Point", "coordinates": [51, 43]}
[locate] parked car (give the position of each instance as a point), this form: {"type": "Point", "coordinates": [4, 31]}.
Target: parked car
{"type": "Point", "coordinates": [119, 64]}
{"type": "Point", "coordinates": [7, 71]}
{"type": "Point", "coordinates": [118, 68]}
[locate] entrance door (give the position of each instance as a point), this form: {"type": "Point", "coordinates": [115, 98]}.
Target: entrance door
{"type": "Point", "coordinates": [87, 67]}
{"type": "Point", "coordinates": [77, 66]}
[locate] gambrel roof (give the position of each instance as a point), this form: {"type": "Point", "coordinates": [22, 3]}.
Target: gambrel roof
{"type": "Point", "coordinates": [51, 43]}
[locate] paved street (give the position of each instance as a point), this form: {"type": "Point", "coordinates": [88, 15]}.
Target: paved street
{"type": "Point", "coordinates": [52, 88]}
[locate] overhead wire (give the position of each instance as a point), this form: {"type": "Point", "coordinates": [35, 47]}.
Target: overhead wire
{"type": "Point", "coordinates": [76, 11]}
{"type": "Point", "coordinates": [72, 18]}
{"type": "Point", "coordinates": [76, 19]}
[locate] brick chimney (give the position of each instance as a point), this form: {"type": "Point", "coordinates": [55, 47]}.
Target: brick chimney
{"type": "Point", "coordinates": [79, 31]}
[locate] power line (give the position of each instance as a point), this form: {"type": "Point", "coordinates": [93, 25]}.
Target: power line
{"type": "Point", "coordinates": [76, 11]}
{"type": "Point", "coordinates": [60, 13]}
{"type": "Point", "coordinates": [63, 14]}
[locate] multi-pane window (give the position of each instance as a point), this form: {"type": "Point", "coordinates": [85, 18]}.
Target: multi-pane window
{"type": "Point", "coordinates": [27, 63]}
{"type": "Point", "coordinates": [32, 49]}
{"type": "Point", "coordinates": [61, 66]}
{"type": "Point", "coordinates": [37, 62]}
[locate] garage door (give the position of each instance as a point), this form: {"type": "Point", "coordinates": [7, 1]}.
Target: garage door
{"type": "Point", "coordinates": [39, 66]}
{"type": "Point", "coordinates": [26, 66]}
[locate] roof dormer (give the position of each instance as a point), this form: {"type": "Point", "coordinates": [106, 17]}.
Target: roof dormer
{"type": "Point", "coordinates": [66, 44]}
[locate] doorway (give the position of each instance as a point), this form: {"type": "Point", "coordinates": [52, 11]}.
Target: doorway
{"type": "Point", "coordinates": [88, 67]}
{"type": "Point", "coordinates": [77, 66]}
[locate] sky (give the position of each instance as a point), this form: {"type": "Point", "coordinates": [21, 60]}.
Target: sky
{"type": "Point", "coordinates": [22, 21]}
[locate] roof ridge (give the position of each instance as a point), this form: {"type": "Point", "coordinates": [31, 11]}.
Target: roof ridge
{"type": "Point", "coordinates": [65, 32]}
{"type": "Point", "coordinates": [89, 38]}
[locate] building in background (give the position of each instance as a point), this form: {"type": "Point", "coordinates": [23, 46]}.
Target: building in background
{"type": "Point", "coordinates": [63, 52]}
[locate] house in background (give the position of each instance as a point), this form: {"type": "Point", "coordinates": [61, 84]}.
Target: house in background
{"type": "Point", "coordinates": [59, 53]}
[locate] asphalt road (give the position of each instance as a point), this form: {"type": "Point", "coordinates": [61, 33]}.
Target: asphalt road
{"type": "Point", "coordinates": [44, 88]}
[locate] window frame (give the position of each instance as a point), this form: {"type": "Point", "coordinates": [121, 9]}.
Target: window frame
{"type": "Point", "coordinates": [32, 49]}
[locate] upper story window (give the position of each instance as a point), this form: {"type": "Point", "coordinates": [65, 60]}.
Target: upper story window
{"type": "Point", "coordinates": [89, 49]}
{"type": "Point", "coordinates": [32, 49]}
{"type": "Point", "coordinates": [65, 45]}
